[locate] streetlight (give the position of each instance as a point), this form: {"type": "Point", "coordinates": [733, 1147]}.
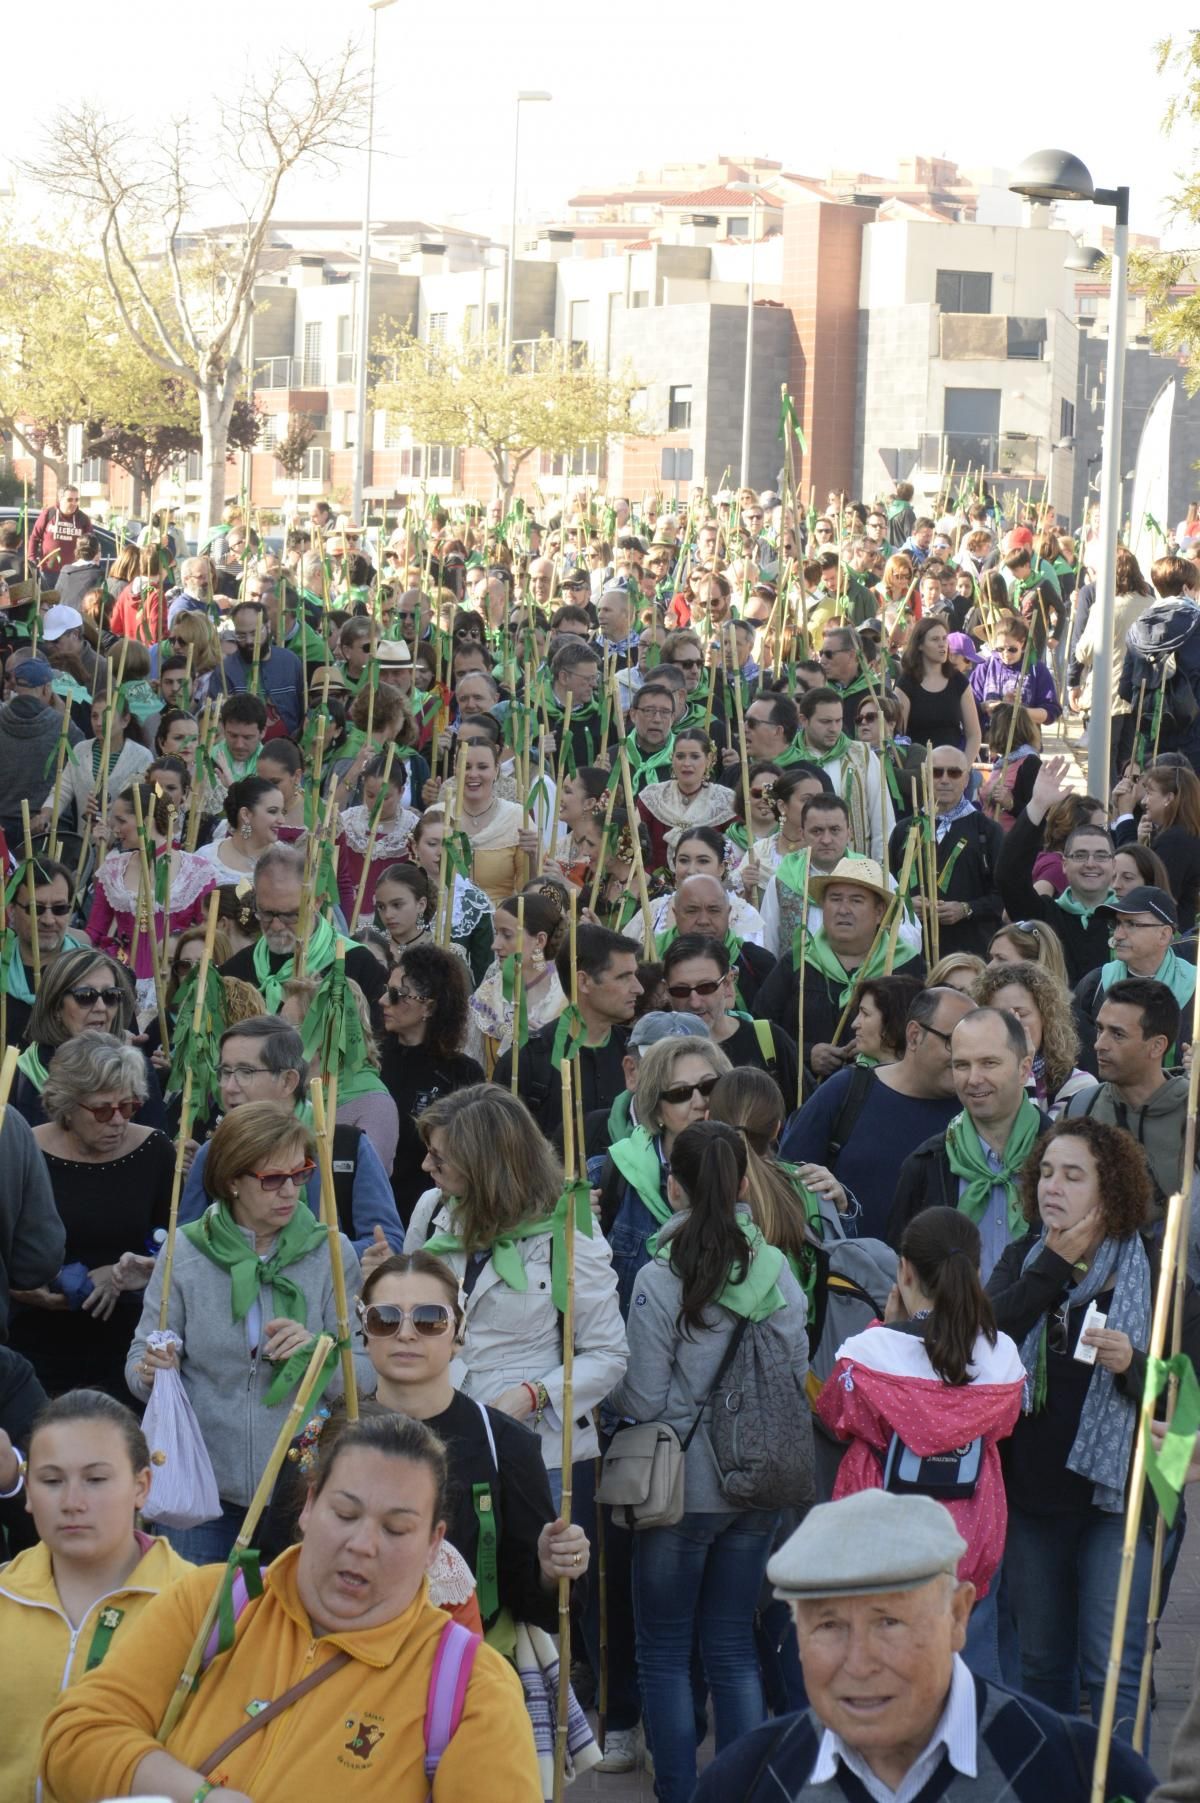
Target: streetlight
{"type": "Point", "coordinates": [753, 189]}
{"type": "Point", "coordinates": [523, 94]}
{"type": "Point", "coordinates": [1057, 175]}
{"type": "Point", "coordinates": [364, 291]}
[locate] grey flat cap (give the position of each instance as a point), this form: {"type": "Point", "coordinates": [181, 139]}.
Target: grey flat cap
{"type": "Point", "coordinates": [866, 1544]}
{"type": "Point", "coordinates": [661, 1024]}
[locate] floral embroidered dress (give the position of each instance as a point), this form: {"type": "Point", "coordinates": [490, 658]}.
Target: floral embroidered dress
{"type": "Point", "coordinates": [390, 847]}
{"type": "Point", "coordinates": [120, 898]}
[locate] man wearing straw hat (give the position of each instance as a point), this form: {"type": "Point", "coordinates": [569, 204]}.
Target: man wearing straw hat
{"type": "Point", "coordinates": [894, 1714]}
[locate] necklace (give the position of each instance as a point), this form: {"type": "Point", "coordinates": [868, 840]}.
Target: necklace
{"type": "Point", "coordinates": [786, 839]}
{"type": "Point", "coordinates": [483, 812]}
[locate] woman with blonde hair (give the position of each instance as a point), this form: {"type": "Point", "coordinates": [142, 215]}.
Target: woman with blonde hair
{"type": "Point", "coordinates": [957, 970]}
{"type": "Point", "coordinates": [195, 633]}
{"type": "Point", "coordinates": [494, 1217]}
{"type": "Point", "coordinates": [1170, 823]}
{"type": "Point", "coordinates": [1029, 942]}
{"type": "Point", "coordinates": [1042, 1004]}
{"type": "Point", "coordinates": [786, 1211]}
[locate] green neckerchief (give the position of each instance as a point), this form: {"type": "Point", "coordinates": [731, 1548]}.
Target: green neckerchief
{"type": "Point", "coordinates": [637, 1159]}
{"type": "Point", "coordinates": [364, 1082]}
{"type": "Point", "coordinates": [1071, 904]}
{"type": "Point", "coordinates": [968, 1160]}
{"type": "Point", "coordinates": [861, 685]}
{"type": "Point", "coordinates": [795, 753]}
{"type": "Point", "coordinates": [643, 767]}
{"type": "Point", "coordinates": [30, 1062]}
{"type": "Point", "coordinates": [322, 945]}
{"type": "Point", "coordinates": [757, 1294]}
{"type": "Point", "coordinates": [619, 1123]}
{"type": "Point", "coordinates": [219, 1237]}
{"type": "Point", "coordinates": [507, 1262]}
{"type": "Point", "coordinates": [17, 983]}
{"type": "Point", "coordinates": [804, 1268]}
{"type": "Point", "coordinates": [237, 768]}
{"type": "Point", "coordinates": [821, 956]}
{"type": "Point", "coordinates": [1178, 975]}
{"type": "Point", "coordinates": [836, 751]}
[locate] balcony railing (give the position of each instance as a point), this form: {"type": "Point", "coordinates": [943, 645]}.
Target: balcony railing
{"type": "Point", "coordinates": [987, 453]}
{"type": "Point", "coordinates": [297, 372]}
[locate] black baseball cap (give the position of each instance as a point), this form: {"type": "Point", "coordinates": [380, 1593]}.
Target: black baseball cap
{"type": "Point", "coordinates": [1148, 899]}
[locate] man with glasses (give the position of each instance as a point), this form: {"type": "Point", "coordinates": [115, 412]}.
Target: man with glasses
{"type": "Point", "coordinates": [1144, 923]}
{"type": "Point", "coordinates": [700, 980]}
{"type": "Point", "coordinates": [772, 731]}
{"type": "Point", "coordinates": [851, 1137]}
{"type": "Point", "coordinates": [844, 663]}
{"type": "Point", "coordinates": [1080, 914]}
{"type": "Point", "coordinates": [969, 844]}
{"type": "Point", "coordinates": [262, 1059]}
{"type": "Point", "coordinates": [279, 676]}
{"type": "Point", "coordinates": [650, 739]}
{"type": "Point", "coordinates": [975, 1165]}
{"type": "Point", "coordinates": [47, 918]}
{"type": "Point", "coordinates": [576, 671]}
{"type": "Point", "coordinates": [270, 962]}
{"type": "Point", "coordinates": [702, 905]}
{"type": "Point", "coordinates": [759, 549]}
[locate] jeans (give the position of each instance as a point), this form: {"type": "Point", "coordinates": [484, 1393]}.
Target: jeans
{"type": "Point", "coordinates": [700, 1577]}
{"type": "Point", "coordinates": [981, 1653]}
{"type": "Point", "coordinates": [211, 1542]}
{"type": "Point", "coordinates": [1062, 1573]}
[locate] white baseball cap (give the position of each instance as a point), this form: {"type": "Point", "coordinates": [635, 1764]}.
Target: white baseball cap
{"type": "Point", "coordinates": [59, 620]}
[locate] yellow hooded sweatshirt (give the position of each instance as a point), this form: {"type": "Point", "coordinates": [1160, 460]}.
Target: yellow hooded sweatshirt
{"type": "Point", "coordinates": [41, 1654]}
{"type": "Point", "coordinates": [360, 1734]}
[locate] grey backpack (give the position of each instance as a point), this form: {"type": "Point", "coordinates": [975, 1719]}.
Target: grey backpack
{"type": "Point", "coordinates": [854, 1278]}
{"type": "Point", "coordinates": [761, 1425]}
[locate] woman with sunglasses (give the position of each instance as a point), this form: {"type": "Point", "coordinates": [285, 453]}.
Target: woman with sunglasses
{"type": "Point", "coordinates": [490, 1216]}
{"type": "Point", "coordinates": [1014, 672]}
{"type": "Point", "coordinates": [535, 925]}
{"type": "Point", "coordinates": [675, 1078]}
{"type": "Point", "coordinates": [250, 1288]}
{"type": "Point", "coordinates": [1086, 1193]}
{"type": "Point", "coordinates": [80, 990]}
{"type": "Point", "coordinates": [83, 770]}
{"type": "Point", "coordinates": [1029, 942]}
{"type": "Point", "coordinates": [111, 1179]}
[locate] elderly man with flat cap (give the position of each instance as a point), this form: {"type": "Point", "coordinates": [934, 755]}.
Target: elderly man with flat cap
{"type": "Point", "coordinates": [894, 1715]}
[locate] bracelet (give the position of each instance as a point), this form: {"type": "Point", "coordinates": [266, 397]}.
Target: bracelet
{"type": "Point", "coordinates": [533, 1396]}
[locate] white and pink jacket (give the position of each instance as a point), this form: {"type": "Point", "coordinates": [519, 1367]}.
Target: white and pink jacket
{"type": "Point", "coordinates": [883, 1383]}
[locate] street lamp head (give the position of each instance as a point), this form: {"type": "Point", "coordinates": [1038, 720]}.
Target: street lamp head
{"type": "Point", "coordinates": [1085, 259]}
{"type": "Point", "coordinates": [1053, 175]}
{"type": "Point", "coordinates": [533, 94]}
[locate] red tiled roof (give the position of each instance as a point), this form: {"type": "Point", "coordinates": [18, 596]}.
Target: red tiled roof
{"type": "Point", "coordinates": [671, 197]}
{"type": "Point", "coordinates": [720, 197]}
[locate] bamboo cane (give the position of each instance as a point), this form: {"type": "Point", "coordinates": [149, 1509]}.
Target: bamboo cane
{"type": "Point", "coordinates": [602, 1600]}
{"type": "Point", "coordinates": [323, 1127]}
{"type": "Point", "coordinates": [31, 886]}
{"type": "Point", "coordinates": [147, 884]}
{"type": "Point", "coordinates": [1137, 723]}
{"type": "Point", "coordinates": [518, 989]}
{"type": "Point", "coordinates": [930, 861]}
{"type": "Point", "coordinates": [568, 1424]}
{"type": "Point", "coordinates": [639, 868]}
{"type": "Point", "coordinates": [800, 980]}
{"type": "Point", "coordinates": [187, 1678]}
{"type": "Point", "coordinates": [181, 1139]}
{"type": "Point", "coordinates": [559, 777]}
{"type": "Point", "coordinates": [60, 758]}
{"type": "Point", "coordinates": [598, 874]}
{"type": "Point", "coordinates": [446, 890]}
{"type": "Point", "coordinates": [905, 872]}
{"type": "Point", "coordinates": [874, 946]}
{"type": "Point", "coordinates": [739, 708]}
{"type": "Point", "coordinates": [372, 833]}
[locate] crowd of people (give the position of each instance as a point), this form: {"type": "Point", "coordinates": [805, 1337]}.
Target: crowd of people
{"type": "Point", "coordinates": [800, 1329]}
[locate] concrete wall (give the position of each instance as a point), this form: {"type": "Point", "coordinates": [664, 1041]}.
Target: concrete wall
{"type": "Point", "coordinates": [721, 447]}
{"type": "Point", "coordinates": [901, 259]}
{"type": "Point", "coordinates": [891, 405]}
{"type": "Point", "coordinates": [1145, 374]}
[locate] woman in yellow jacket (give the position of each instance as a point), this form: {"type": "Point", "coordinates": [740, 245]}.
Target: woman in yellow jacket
{"type": "Point", "coordinates": [66, 1602]}
{"type": "Point", "coordinates": [347, 1609]}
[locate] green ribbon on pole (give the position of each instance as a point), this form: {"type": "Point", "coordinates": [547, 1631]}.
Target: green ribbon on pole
{"type": "Point", "coordinates": [1166, 1471]}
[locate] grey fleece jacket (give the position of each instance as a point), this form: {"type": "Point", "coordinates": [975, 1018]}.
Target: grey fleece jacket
{"type": "Point", "coordinates": [225, 1383]}
{"type": "Point", "coordinates": [32, 1236]}
{"type": "Point", "coordinates": [669, 1376]}
{"type": "Point", "coordinates": [29, 732]}
{"type": "Point", "coordinates": [1158, 1127]}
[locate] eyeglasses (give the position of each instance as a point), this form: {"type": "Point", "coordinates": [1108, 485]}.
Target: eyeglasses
{"type": "Point", "coordinates": [944, 770]}
{"type": "Point", "coordinates": [242, 1073]}
{"type": "Point", "coordinates": [1123, 922]}
{"type": "Point", "coordinates": [403, 995]}
{"type": "Point", "coordinates": [1088, 857]}
{"type": "Point", "coordinates": [60, 910]}
{"type": "Point", "coordinates": [683, 1092]}
{"type": "Point", "coordinates": [826, 652]}
{"type": "Point", "coordinates": [937, 1033]}
{"type": "Point", "coordinates": [680, 992]}
{"type": "Point", "coordinates": [87, 998]}
{"type": "Point", "coordinates": [383, 1320]}
{"type": "Point", "coordinates": [275, 1180]}
{"type": "Point", "coordinates": [104, 1111]}
{"type": "Point", "coordinates": [288, 917]}
{"type": "Point", "coordinates": [1013, 650]}
{"type": "Point", "coordinates": [1056, 1329]}
{"type": "Point", "coordinates": [654, 713]}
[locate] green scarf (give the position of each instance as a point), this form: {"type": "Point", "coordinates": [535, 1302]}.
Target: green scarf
{"type": "Point", "coordinates": [636, 1157]}
{"type": "Point", "coordinates": [322, 945]}
{"type": "Point", "coordinates": [795, 753]}
{"type": "Point", "coordinates": [507, 1262]}
{"type": "Point", "coordinates": [30, 1062]}
{"type": "Point", "coordinates": [821, 956]}
{"type": "Point", "coordinates": [968, 1160]}
{"type": "Point", "coordinates": [790, 870]}
{"type": "Point", "coordinates": [619, 1126]}
{"type": "Point", "coordinates": [861, 685]}
{"type": "Point", "coordinates": [219, 1237]}
{"type": "Point", "coordinates": [644, 766]}
{"type": "Point", "coordinates": [364, 1082]}
{"type": "Point", "coordinates": [1178, 975]}
{"type": "Point", "coordinates": [1071, 904]}
{"type": "Point", "coordinates": [805, 1268]}
{"type": "Point", "coordinates": [836, 751]}
{"type": "Point", "coordinates": [17, 983]}
{"type": "Point", "coordinates": [757, 1294]}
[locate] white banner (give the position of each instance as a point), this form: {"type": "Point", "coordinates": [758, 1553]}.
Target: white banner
{"type": "Point", "coordinates": [1148, 509]}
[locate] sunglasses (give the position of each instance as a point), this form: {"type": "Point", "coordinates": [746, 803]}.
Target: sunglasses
{"type": "Point", "coordinates": [275, 1180]}
{"type": "Point", "coordinates": [396, 996]}
{"type": "Point", "coordinates": [689, 663]}
{"type": "Point", "coordinates": [871, 720]}
{"type": "Point", "coordinates": [104, 1111]}
{"type": "Point", "coordinates": [383, 1320]}
{"type": "Point", "coordinates": [60, 910]}
{"type": "Point", "coordinates": [944, 770]}
{"type": "Point", "coordinates": [683, 1092]}
{"type": "Point", "coordinates": [87, 998]}
{"type": "Point", "coordinates": [680, 992]}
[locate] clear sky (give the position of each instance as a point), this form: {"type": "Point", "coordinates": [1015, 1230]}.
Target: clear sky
{"type": "Point", "coordinates": [635, 82]}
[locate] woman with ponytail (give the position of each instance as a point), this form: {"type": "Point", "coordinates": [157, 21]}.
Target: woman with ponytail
{"type": "Point", "coordinates": [712, 1268]}
{"type": "Point", "coordinates": [923, 1398]}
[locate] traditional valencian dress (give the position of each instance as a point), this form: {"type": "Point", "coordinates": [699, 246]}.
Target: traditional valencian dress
{"type": "Point", "coordinates": [668, 814]}
{"type": "Point", "coordinates": [495, 859]}
{"type": "Point", "coordinates": [490, 1016]}
{"type": "Point", "coordinates": [390, 846]}
{"type": "Point", "coordinates": [120, 903]}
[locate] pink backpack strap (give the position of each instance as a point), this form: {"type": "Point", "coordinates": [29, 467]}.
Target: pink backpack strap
{"type": "Point", "coordinates": [240, 1596]}
{"type": "Point", "coordinates": [453, 1662]}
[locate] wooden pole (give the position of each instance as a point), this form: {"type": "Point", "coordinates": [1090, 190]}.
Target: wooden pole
{"type": "Point", "coordinates": [635, 840]}
{"type": "Point", "coordinates": [147, 883]}
{"type": "Point", "coordinates": [60, 756]}
{"type": "Point", "coordinates": [287, 1432]}
{"type": "Point", "coordinates": [181, 1139]}
{"type": "Point", "coordinates": [445, 900]}
{"type": "Point", "coordinates": [518, 988]}
{"type": "Point", "coordinates": [598, 873]}
{"type": "Point", "coordinates": [905, 873]}
{"type": "Point", "coordinates": [31, 891]}
{"type": "Point", "coordinates": [323, 1126]}
{"type": "Point", "coordinates": [372, 833]}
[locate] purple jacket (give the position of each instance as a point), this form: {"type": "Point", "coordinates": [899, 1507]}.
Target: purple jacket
{"type": "Point", "coordinates": [991, 680]}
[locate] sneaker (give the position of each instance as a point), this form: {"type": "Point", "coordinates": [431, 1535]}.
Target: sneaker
{"type": "Point", "coordinates": [622, 1751]}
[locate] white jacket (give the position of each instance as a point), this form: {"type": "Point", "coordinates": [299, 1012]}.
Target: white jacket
{"type": "Point", "coordinates": [514, 1337]}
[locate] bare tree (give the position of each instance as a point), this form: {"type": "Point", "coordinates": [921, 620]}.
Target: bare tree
{"type": "Point", "coordinates": [138, 194]}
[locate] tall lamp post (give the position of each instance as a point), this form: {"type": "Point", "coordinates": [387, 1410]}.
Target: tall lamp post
{"type": "Point", "coordinates": [753, 189]}
{"type": "Point", "coordinates": [364, 290]}
{"type": "Point", "coordinates": [1057, 175]}
{"type": "Point", "coordinates": [524, 94]}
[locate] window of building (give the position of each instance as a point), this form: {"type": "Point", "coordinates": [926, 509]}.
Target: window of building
{"type": "Point", "coordinates": [1026, 337]}
{"type": "Point", "coordinates": [345, 348]}
{"type": "Point", "coordinates": [439, 462]}
{"type": "Point", "coordinates": [972, 427]}
{"type": "Point", "coordinates": [310, 372]}
{"type": "Point", "coordinates": [1087, 306]}
{"type": "Point", "coordinates": [679, 413]}
{"type": "Point", "coordinates": [1066, 418]}
{"type": "Point", "coordinates": [91, 470]}
{"type": "Point", "coordinates": [193, 469]}
{"type": "Point", "coordinates": [964, 290]}
{"type": "Point", "coordinates": [437, 327]}
{"type": "Point", "coordinates": [393, 432]}
{"type": "Point", "coordinates": [587, 461]}
{"type": "Point", "coordinates": [640, 297]}
{"type": "Point", "coordinates": [737, 227]}
{"type": "Point", "coordinates": [412, 462]}
{"type": "Point", "coordinates": [315, 460]}
{"type": "Point", "coordinates": [493, 315]}
{"type": "Point", "coordinates": [580, 332]}
{"type": "Point", "coordinates": [274, 427]}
